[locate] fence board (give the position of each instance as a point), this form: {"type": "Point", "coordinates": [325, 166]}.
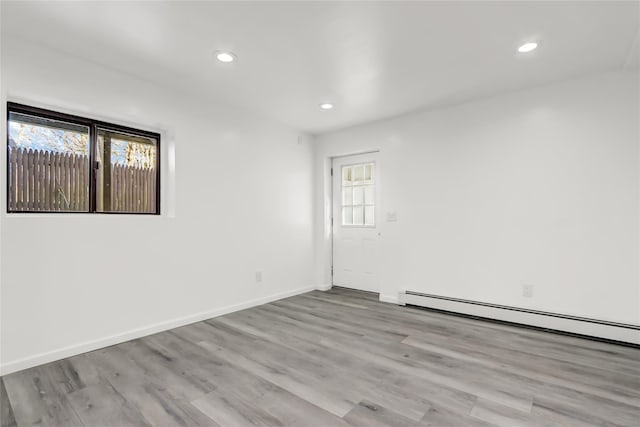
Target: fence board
{"type": "Point", "coordinates": [38, 181]}
{"type": "Point", "coordinates": [24, 167]}
{"type": "Point", "coordinates": [127, 191]}
{"type": "Point", "coordinates": [153, 190]}
{"type": "Point", "coordinates": [72, 182]}
{"type": "Point", "coordinates": [29, 183]}
{"type": "Point", "coordinates": [134, 193]}
{"type": "Point", "coordinates": [139, 207]}
{"type": "Point", "coordinates": [118, 190]}
{"type": "Point", "coordinates": [12, 178]}
{"type": "Point", "coordinates": [84, 188]}
{"type": "Point", "coordinates": [22, 179]}
{"type": "Point", "coordinates": [116, 183]}
{"type": "Point", "coordinates": [121, 190]}
{"type": "Point", "coordinates": [46, 188]}
{"type": "Point", "coordinates": [79, 183]}
{"type": "Point", "coordinates": [44, 182]}
{"type": "Point", "coordinates": [56, 180]}
{"type": "Point", "coordinates": [134, 174]}
{"type": "Point", "coordinates": [33, 184]}
{"type": "Point", "coordinates": [37, 170]}
{"type": "Point", "coordinates": [115, 178]}
{"type": "Point", "coordinates": [67, 182]}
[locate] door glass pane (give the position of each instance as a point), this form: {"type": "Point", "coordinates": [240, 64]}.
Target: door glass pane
{"type": "Point", "coordinates": [368, 174]}
{"type": "Point", "coordinates": [48, 165]}
{"type": "Point", "coordinates": [346, 176]}
{"type": "Point", "coordinates": [369, 213]}
{"type": "Point", "coordinates": [347, 196]}
{"type": "Point", "coordinates": [369, 198]}
{"type": "Point", "coordinates": [358, 174]}
{"type": "Point", "coordinates": [358, 215]}
{"type": "Point", "coordinates": [126, 178]}
{"type": "Point", "coordinates": [358, 195]}
{"type": "Point", "coordinates": [347, 216]}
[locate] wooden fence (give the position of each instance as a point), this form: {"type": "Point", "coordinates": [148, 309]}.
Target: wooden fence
{"type": "Point", "coordinates": [43, 181]}
{"type": "Point", "coordinates": [133, 189]}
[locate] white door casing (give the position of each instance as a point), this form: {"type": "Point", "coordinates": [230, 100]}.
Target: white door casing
{"type": "Point", "coordinates": [356, 222]}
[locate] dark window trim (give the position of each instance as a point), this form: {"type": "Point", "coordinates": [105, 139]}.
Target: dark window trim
{"type": "Point", "coordinates": [93, 125]}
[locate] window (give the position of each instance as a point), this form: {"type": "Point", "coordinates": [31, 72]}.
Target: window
{"type": "Point", "coordinates": [62, 163]}
{"type": "Point", "coordinates": [358, 195]}
{"type": "Point", "coordinates": [126, 178]}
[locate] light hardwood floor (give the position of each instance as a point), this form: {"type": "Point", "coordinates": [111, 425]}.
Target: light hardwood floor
{"type": "Point", "coordinates": [336, 358]}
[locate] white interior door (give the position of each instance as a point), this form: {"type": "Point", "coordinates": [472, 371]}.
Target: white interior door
{"type": "Point", "coordinates": [355, 222]}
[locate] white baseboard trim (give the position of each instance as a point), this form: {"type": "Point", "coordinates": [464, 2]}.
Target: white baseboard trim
{"type": "Point", "coordinates": [324, 287]}
{"type": "Point", "coordinates": [626, 333]}
{"type": "Point", "coordinates": [390, 299]}
{"type": "Point", "coordinates": [84, 347]}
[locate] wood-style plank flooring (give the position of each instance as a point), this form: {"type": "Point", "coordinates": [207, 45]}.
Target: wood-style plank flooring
{"type": "Point", "coordinates": [336, 358]}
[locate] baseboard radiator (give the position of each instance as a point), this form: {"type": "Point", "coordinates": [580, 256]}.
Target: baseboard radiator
{"type": "Point", "coordinates": [599, 329]}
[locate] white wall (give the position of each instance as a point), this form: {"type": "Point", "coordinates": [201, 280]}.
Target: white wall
{"type": "Point", "coordinates": [238, 200]}
{"type": "Point", "coordinates": [536, 187]}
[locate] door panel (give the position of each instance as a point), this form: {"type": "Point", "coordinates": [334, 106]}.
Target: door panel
{"type": "Point", "coordinates": [356, 201]}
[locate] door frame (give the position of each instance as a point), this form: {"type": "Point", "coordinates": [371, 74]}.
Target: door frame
{"type": "Point", "coordinates": [331, 206]}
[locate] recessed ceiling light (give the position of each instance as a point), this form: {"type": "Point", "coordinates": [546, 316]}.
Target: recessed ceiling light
{"type": "Point", "coordinates": [326, 106]}
{"type": "Point", "coordinates": [225, 56]}
{"type": "Point", "coordinates": [527, 47]}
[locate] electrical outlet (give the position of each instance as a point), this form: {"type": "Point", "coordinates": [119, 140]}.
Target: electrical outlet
{"type": "Point", "coordinates": [527, 291]}
{"type": "Point", "coordinates": [258, 276]}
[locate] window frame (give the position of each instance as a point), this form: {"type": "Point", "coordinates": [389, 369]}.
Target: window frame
{"type": "Point", "coordinates": [93, 125]}
{"type": "Point", "coordinates": [363, 205]}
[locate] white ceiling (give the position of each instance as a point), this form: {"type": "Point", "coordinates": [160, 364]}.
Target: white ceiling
{"type": "Point", "coordinates": [373, 60]}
